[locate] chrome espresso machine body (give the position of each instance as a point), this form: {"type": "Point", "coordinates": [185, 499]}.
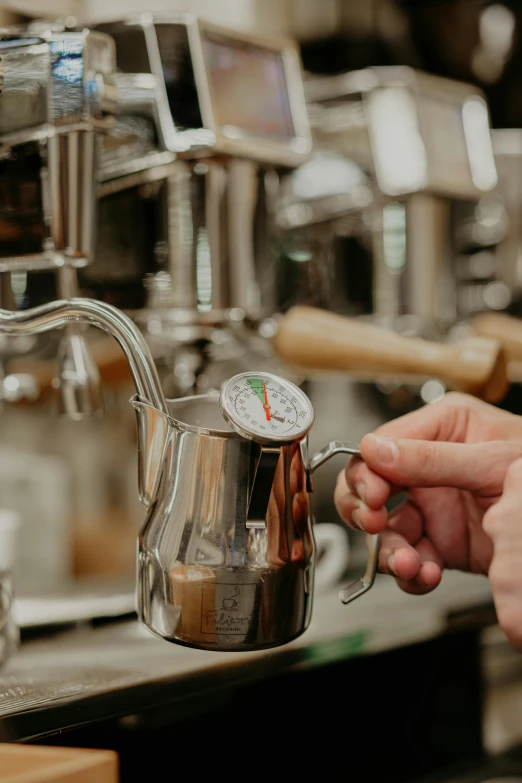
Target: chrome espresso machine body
{"type": "Point", "coordinates": [489, 235]}
{"type": "Point", "coordinates": [57, 99]}
{"type": "Point", "coordinates": [371, 225]}
{"type": "Point", "coordinates": [416, 145]}
{"type": "Point", "coordinates": [226, 120]}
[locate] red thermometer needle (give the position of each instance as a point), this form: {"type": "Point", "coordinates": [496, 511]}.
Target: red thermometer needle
{"type": "Point", "coordinates": [266, 406]}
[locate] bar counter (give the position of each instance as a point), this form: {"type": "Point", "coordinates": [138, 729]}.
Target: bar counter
{"type": "Point", "coordinates": [83, 674]}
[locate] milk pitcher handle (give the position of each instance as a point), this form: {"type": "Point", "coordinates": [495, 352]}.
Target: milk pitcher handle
{"type": "Point", "coordinates": [360, 586]}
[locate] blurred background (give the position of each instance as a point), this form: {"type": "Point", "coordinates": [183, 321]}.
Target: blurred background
{"type": "Point", "coordinates": [394, 201]}
{"type": "Point", "coordinates": [351, 234]}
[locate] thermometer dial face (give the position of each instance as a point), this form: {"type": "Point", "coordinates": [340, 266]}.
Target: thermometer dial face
{"type": "Point", "coordinates": [266, 408]}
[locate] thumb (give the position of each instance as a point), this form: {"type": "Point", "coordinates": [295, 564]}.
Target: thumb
{"type": "Point", "coordinates": [420, 463]}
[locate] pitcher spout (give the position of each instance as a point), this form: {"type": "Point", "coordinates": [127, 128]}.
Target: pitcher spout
{"type": "Point", "coordinates": [153, 433]}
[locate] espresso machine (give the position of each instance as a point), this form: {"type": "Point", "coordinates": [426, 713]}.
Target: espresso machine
{"type": "Point", "coordinates": [211, 125]}
{"type": "Point", "coordinates": [57, 100]}
{"type": "Point", "coordinates": [493, 282]}
{"type": "Point", "coordinates": [397, 154]}
{"type": "Point", "coordinates": [507, 147]}
{"type": "Point", "coordinates": [211, 120]}
{"type": "Point", "coordinates": [425, 143]}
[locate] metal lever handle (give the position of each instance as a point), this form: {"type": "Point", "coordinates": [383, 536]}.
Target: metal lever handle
{"type": "Point", "coordinates": [360, 586]}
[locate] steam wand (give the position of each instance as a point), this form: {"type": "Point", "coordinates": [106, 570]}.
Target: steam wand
{"type": "Point", "coordinates": [106, 317]}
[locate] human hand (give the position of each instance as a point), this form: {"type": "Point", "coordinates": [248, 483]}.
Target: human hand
{"type": "Point", "coordinates": [503, 524]}
{"type": "Point", "coordinates": [451, 458]}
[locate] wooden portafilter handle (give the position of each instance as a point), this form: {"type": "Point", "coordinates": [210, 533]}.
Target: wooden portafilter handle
{"type": "Point", "coordinates": [507, 330]}
{"type": "Point", "coordinates": [309, 339]}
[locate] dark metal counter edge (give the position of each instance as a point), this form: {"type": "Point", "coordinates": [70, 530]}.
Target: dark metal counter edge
{"type": "Point", "coordinates": [131, 699]}
{"type": "Point", "coordinates": [67, 714]}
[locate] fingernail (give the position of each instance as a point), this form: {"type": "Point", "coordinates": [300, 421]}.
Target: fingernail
{"type": "Point", "coordinates": [344, 507]}
{"type": "Point", "coordinates": [391, 563]}
{"type": "Point", "coordinates": [387, 449]}
{"type": "Point", "coordinates": [357, 518]}
{"type": "Point", "coordinates": [360, 489]}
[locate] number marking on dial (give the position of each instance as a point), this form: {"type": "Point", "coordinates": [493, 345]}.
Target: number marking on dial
{"type": "Point", "coordinates": [263, 405]}
{"type": "Point", "coordinates": [256, 397]}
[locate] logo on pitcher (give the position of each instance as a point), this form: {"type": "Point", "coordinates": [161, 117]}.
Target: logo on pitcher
{"type": "Point", "coordinates": [230, 603]}
{"type": "Point", "coordinates": [227, 608]}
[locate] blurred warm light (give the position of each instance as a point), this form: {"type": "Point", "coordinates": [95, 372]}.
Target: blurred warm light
{"type": "Point", "coordinates": [326, 175]}
{"type": "Point", "coordinates": [497, 32]}
{"type": "Point", "coordinates": [477, 131]}
{"type": "Point", "coordinates": [432, 391]}
{"type": "Point", "coordinates": [497, 28]}
{"type": "Point", "coordinates": [497, 296]}
{"type": "Point", "coordinates": [394, 237]}
{"type": "Point", "coordinates": [399, 153]}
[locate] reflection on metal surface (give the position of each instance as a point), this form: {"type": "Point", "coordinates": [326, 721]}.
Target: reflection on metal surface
{"type": "Point", "coordinates": [61, 92]}
{"type": "Point", "coordinates": [394, 239]}
{"type": "Point", "coordinates": [19, 386]}
{"type": "Point", "coordinates": [399, 153]}
{"type": "Point", "coordinates": [57, 97]}
{"type": "Point", "coordinates": [24, 693]}
{"type": "Point", "coordinates": [476, 128]}
{"type": "Point", "coordinates": [9, 633]}
{"type": "Point", "coordinates": [78, 380]}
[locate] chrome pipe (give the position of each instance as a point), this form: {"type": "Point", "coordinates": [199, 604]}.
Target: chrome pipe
{"type": "Point", "coordinates": [106, 317]}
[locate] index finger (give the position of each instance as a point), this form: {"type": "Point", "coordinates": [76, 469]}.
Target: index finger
{"type": "Point", "coordinates": [370, 486]}
{"type": "Point", "coordinates": [438, 421]}
{"type": "Point", "coordinates": [373, 489]}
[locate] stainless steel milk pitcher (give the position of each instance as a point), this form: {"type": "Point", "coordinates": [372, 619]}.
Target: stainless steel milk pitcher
{"type": "Point", "coordinates": [227, 553]}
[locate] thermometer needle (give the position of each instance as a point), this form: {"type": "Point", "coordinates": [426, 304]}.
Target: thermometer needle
{"type": "Point", "coordinates": [266, 406]}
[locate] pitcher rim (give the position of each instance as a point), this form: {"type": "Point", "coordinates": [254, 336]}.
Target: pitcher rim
{"type": "Point", "coordinates": [182, 425]}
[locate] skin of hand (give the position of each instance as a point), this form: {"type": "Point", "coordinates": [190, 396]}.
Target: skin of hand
{"type": "Point", "coordinates": [459, 463]}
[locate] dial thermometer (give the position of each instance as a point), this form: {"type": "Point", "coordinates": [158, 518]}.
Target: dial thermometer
{"type": "Point", "coordinates": [265, 408]}
{"type": "Point", "coordinates": [274, 412]}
